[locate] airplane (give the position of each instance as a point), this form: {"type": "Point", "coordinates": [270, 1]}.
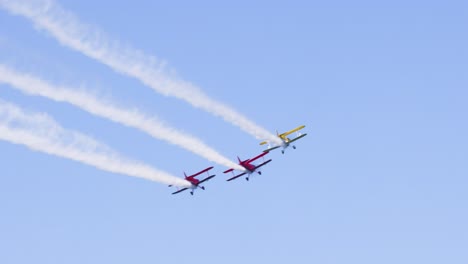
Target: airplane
{"type": "Point", "coordinates": [195, 183]}
{"type": "Point", "coordinates": [249, 167]}
{"type": "Point", "coordinates": [286, 141]}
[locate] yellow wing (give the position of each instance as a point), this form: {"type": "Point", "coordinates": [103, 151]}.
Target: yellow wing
{"type": "Point", "coordinates": [285, 134]}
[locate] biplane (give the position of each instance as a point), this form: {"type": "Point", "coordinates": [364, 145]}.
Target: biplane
{"type": "Point", "coordinates": [195, 183]}
{"type": "Point", "coordinates": [286, 140]}
{"type": "Point", "coordinates": [249, 167]}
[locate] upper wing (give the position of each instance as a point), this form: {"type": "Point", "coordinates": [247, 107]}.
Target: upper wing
{"type": "Point", "coordinates": [237, 176]}
{"type": "Point", "coordinates": [200, 172]}
{"type": "Point", "coordinates": [263, 164]}
{"type": "Point", "coordinates": [259, 156]}
{"type": "Point", "coordinates": [181, 190]}
{"type": "Point", "coordinates": [291, 131]}
{"type": "Point", "coordinates": [206, 179]}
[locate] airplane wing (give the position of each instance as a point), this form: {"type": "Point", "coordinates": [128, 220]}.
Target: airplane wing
{"type": "Point", "coordinates": [291, 131]}
{"type": "Point", "coordinates": [206, 179]}
{"type": "Point", "coordinates": [200, 172]}
{"type": "Point", "coordinates": [270, 149]}
{"type": "Point", "coordinates": [294, 139]}
{"type": "Point", "coordinates": [263, 164]}
{"type": "Point", "coordinates": [228, 171]}
{"type": "Point", "coordinates": [237, 176]}
{"type": "Point", "coordinates": [259, 156]}
{"type": "Point", "coordinates": [181, 190]}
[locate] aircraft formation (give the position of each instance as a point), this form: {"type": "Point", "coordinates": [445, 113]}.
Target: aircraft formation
{"type": "Point", "coordinates": [248, 164]}
{"type": "Point", "coordinates": [51, 138]}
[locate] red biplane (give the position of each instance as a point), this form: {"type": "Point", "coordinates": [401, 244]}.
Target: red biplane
{"type": "Point", "coordinates": [249, 167]}
{"type": "Point", "coordinates": [195, 183]}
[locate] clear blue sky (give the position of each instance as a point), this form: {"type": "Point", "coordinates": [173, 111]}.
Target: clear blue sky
{"type": "Point", "coordinates": [381, 177]}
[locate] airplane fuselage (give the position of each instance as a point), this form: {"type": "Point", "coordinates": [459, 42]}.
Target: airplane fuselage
{"type": "Point", "coordinates": [193, 181]}
{"type": "Point", "coordinates": [249, 167]}
{"type": "Point", "coordinates": [287, 142]}
{"type": "Point", "coordinates": [194, 184]}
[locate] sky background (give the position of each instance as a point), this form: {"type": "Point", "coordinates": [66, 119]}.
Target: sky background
{"type": "Point", "coordinates": [380, 178]}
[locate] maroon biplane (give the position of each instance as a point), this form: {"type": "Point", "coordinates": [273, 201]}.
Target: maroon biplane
{"type": "Point", "coordinates": [249, 167]}
{"type": "Point", "coordinates": [195, 183]}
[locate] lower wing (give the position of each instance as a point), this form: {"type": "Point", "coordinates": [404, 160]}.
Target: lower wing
{"type": "Point", "coordinates": [263, 164]}
{"type": "Point", "coordinates": [181, 190]}
{"type": "Point", "coordinates": [206, 179]}
{"type": "Point", "coordinates": [299, 137]}
{"type": "Point", "coordinates": [237, 176]}
{"type": "Point", "coordinates": [270, 149]}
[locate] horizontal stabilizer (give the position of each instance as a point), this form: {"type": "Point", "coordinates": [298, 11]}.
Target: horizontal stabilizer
{"type": "Point", "coordinates": [263, 143]}
{"type": "Point", "coordinates": [228, 171]}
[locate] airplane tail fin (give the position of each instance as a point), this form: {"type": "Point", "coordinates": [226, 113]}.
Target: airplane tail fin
{"type": "Point", "coordinates": [185, 175]}
{"type": "Point", "coordinates": [240, 161]}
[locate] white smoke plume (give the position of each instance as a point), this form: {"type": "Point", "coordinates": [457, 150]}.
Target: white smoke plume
{"type": "Point", "coordinates": [41, 133]}
{"type": "Point", "coordinates": [70, 32]}
{"type": "Point", "coordinates": [131, 118]}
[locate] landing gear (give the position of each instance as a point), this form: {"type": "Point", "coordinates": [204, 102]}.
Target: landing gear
{"type": "Point", "coordinates": [191, 193]}
{"type": "Point", "coordinates": [247, 179]}
{"type": "Point", "coordinates": [259, 173]}
{"type": "Point", "coordinates": [282, 151]}
{"type": "Point", "coordinates": [294, 147]}
{"type": "Point", "coordinates": [203, 187]}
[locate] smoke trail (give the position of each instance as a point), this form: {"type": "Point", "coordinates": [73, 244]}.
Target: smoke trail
{"type": "Point", "coordinates": [34, 86]}
{"type": "Point", "coordinates": [41, 133]}
{"type": "Point", "coordinates": [70, 32]}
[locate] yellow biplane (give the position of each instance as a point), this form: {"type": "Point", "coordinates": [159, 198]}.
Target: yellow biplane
{"type": "Point", "coordinates": [286, 140]}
